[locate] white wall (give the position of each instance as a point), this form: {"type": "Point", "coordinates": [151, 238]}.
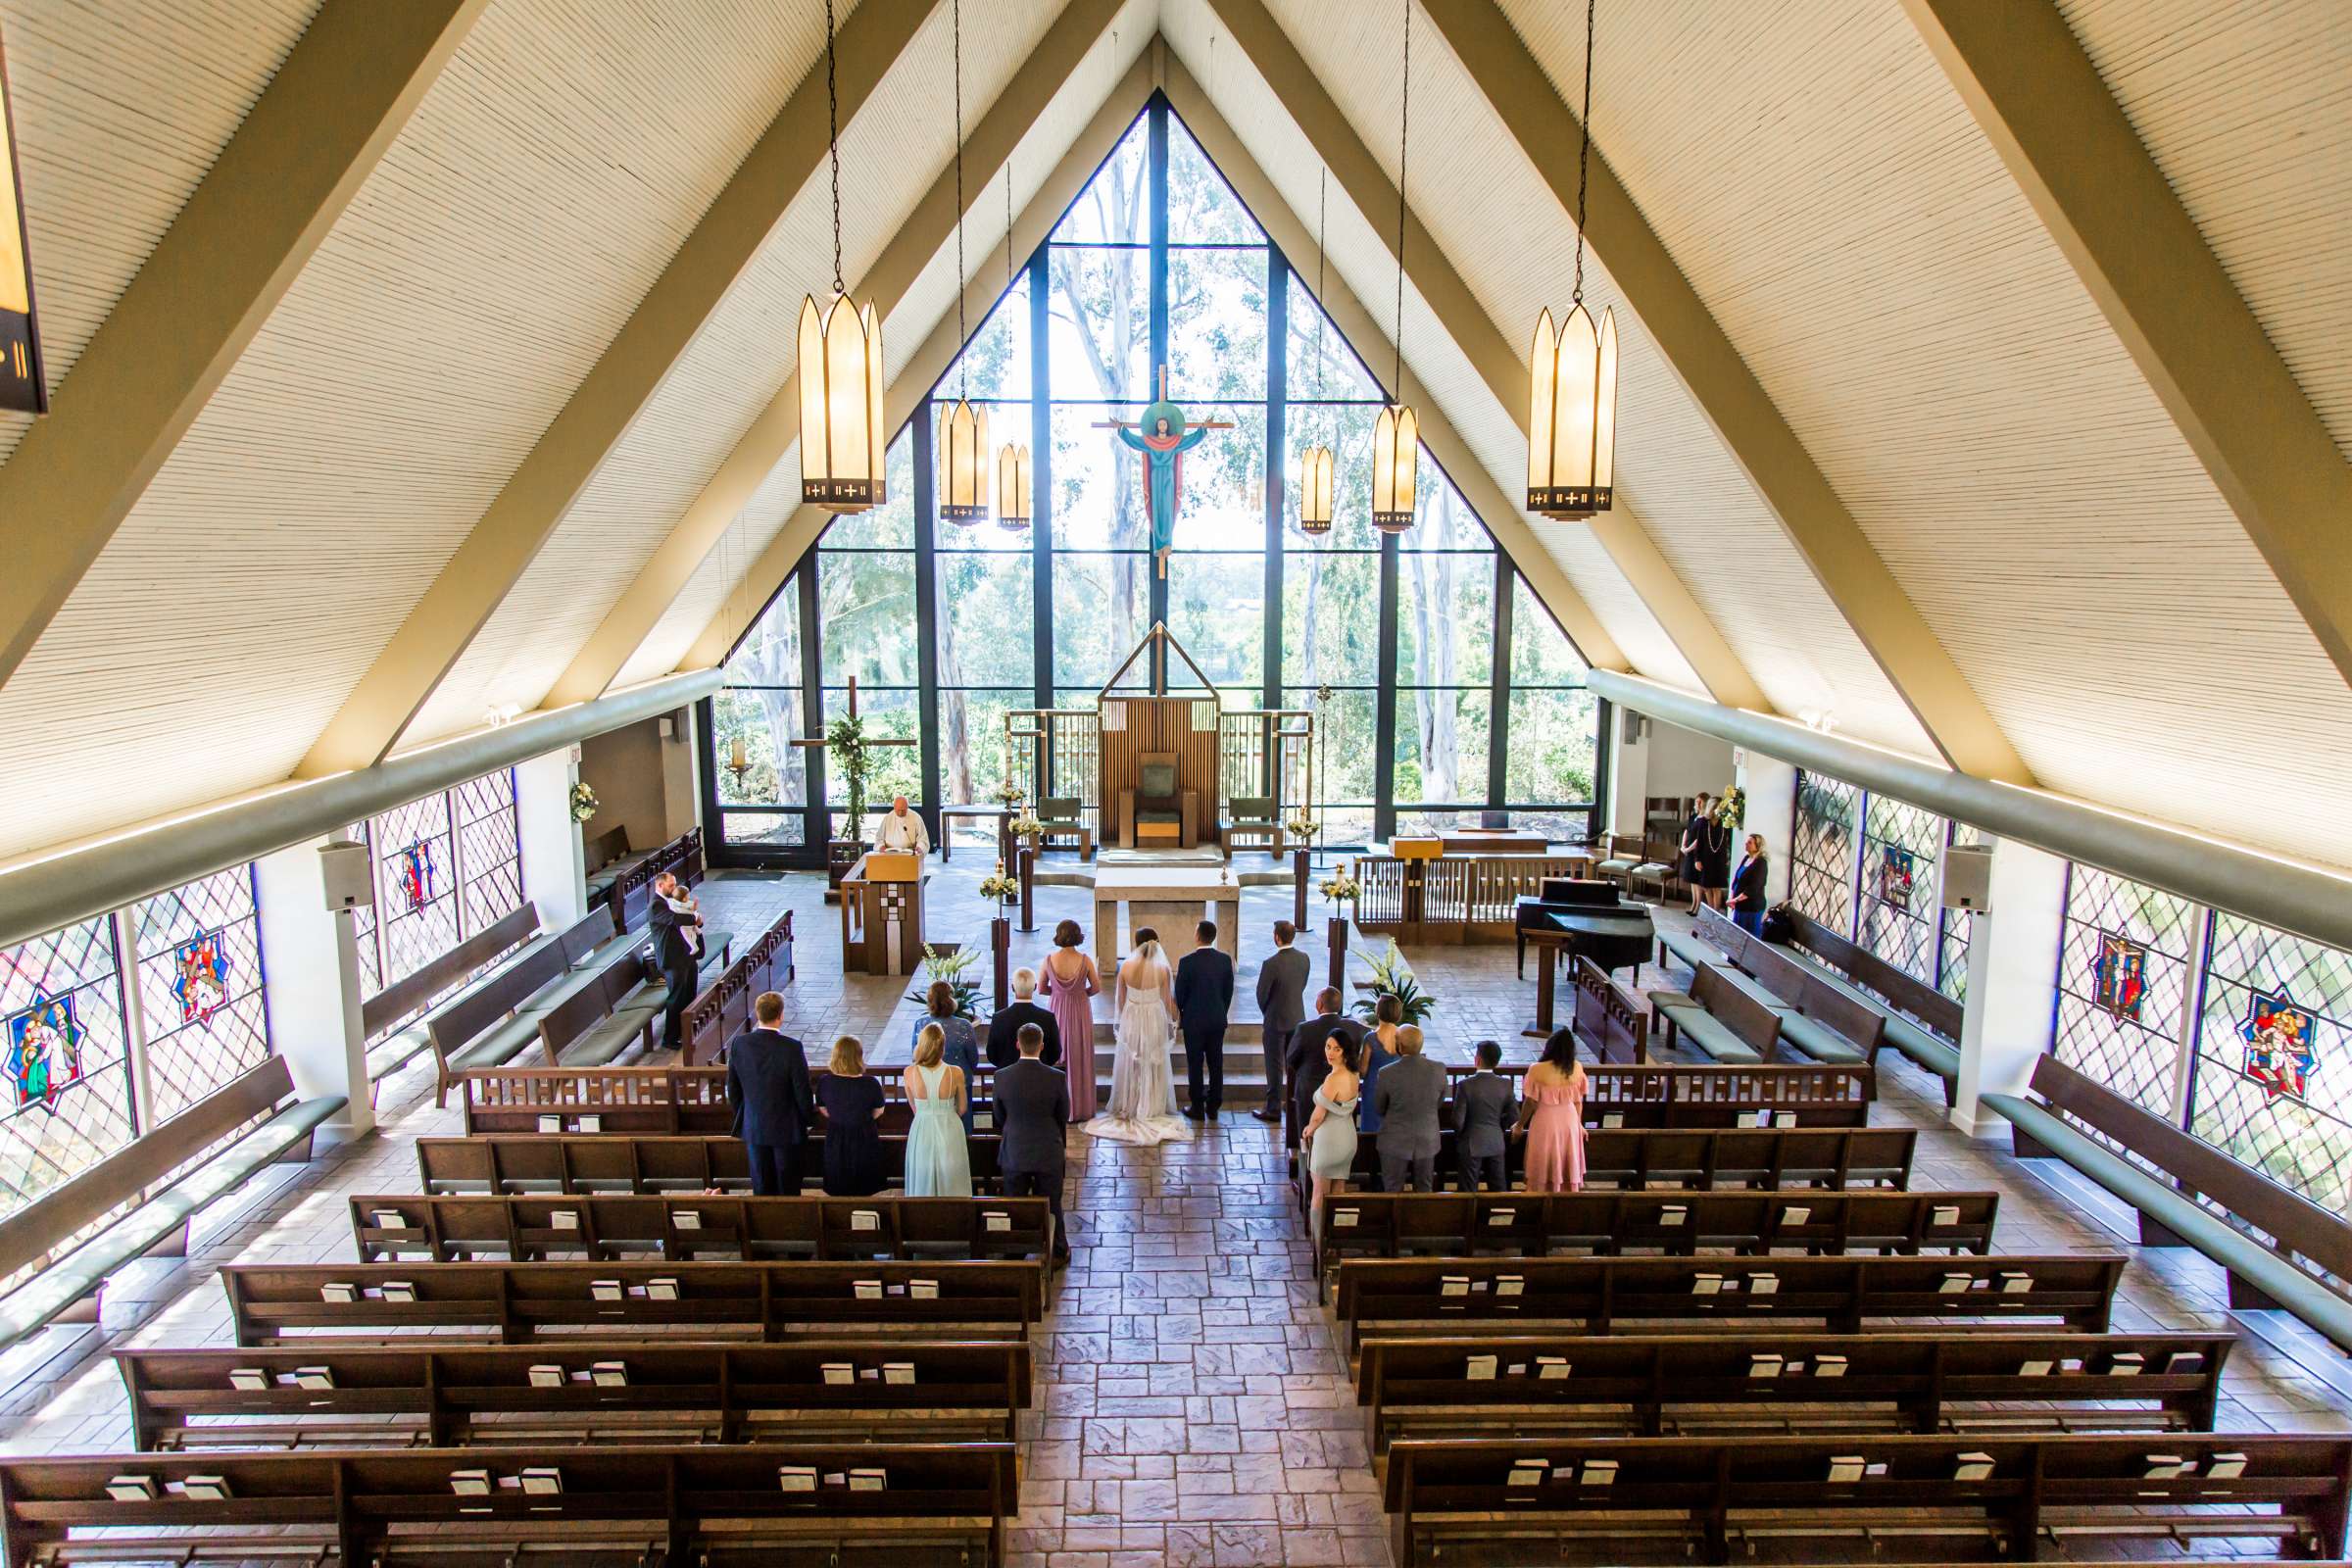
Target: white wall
{"type": "Point", "coordinates": [310, 955]}
{"type": "Point", "coordinates": [1668, 760]}
{"type": "Point", "coordinates": [644, 781]}
{"type": "Point", "coordinates": [554, 877]}
{"type": "Point", "coordinates": [1771, 786]}
{"type": "Point", "coordinates": [2012, 979]}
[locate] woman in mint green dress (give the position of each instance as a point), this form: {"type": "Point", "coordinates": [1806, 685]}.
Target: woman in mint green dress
{"type": "Point", "coordinates": [939, 1159]}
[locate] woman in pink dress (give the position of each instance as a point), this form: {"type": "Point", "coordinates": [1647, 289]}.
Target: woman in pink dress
{"type": "Point", "coordinates": [1551, 1119]}
{"type": "Point", "coordinates": [1071, 984]}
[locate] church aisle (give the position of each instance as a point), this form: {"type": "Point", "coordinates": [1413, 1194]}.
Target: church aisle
{"type": "Point", "coordinates": [1193, 1405]}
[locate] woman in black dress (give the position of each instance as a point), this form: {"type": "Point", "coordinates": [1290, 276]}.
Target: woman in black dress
{"type": "Point", "coordinates": [1706, 852]}
{"type": "Point", "coordinates": [852, 1103]}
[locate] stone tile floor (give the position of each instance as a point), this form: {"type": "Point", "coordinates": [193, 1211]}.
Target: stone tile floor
{"type": "Point", "coordinates": [1193, 1406]}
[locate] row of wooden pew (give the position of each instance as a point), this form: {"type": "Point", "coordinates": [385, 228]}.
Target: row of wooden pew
{"type": "Point", "coordinates": [686, 1227]}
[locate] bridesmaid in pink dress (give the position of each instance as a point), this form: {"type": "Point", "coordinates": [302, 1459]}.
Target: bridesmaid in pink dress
{"type": "Point", "coordinates": [1071, 984]}
{"type": "Point", "coordinates": [1551, 1119]}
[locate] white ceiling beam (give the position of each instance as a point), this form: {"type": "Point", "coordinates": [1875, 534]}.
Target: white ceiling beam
{"type": "Point", "coordinates": [776, 431]}
{"type": "Point", "coordinates": [1359, 326]}
{"type": "Point", "coordinates": [510, 535]}
{"type": "Point", "coordinates": [1363, 182]}
{"type": "Point", "coordinates": [313, 137]}
{"type": "Point", "coordinates": [2044, 108]}
{"type": "Point", "coordinates": [748, 600]}
{"type": "Point", "coordinates": [1697, 348]}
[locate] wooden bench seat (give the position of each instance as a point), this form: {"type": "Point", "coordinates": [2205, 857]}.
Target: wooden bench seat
{"type": "Point", "coordinates": [1718, 1019]}
{"type": "Point", "coordinates": [515, 1302]}
{"type": "Point", "coordinates": [633, 1102]}
{"type": "Point", "coordinates": [1611, 1019]}
{"type": "Point", "coordinates": [723, 1007]}
{"type": "Point", "coordinates": [216, 1146]}
{"type": "Point", "coordinates": [393, 1019]}
{"type": "Point", "coordinates": [525, 1164]}
{"type": "Point", "coordinates": [1921, 1022]}
{"type": "Point", "coordinates": [1575, 1384]}
{"type": "Point", "coordinates": [495, 1018]}
{"type": "Point", "coordinates": [1377, 1295]}
{"type": "Point", "coordinates": [1679, 1224]}
{"type": "Point", "coordinates": [1710, 1498]}
{"type": "Point", "coordinates": [453, 1228]}
{"type": "Point", "coordinates": [2261, 1275]}
{"type": "Point", "coordinates": [1751, 1156]}
{"type": "Point", "coordinates": [1693, 1095]}
{"type": "Point", "coordinates": [462, 1395]}
{"type": "Point", "coordinates": [933, 1505]}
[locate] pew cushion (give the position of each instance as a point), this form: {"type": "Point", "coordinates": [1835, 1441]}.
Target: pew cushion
{"type": "Point", "coordinates": [614, 1035]}
{"type": "Point", "coordinates": [1690, 946]}
{"type": "Point", "coordinates": [1821, 1041]}
{"type": "Point", "coordinates": [2274, 1276]}
{"type": "Point", "coordinates": [1616, 867]}
{"type": "Point", "coordinates": [1704, 1032]}
{"type": "Point", "coordinates": [88, 1266]}
{"type": "Point", "coordinates": [1935, 1055]}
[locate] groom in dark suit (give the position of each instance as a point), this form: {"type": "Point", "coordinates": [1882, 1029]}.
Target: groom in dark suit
{"type": "Point", "coordinates": [1204, 1002]}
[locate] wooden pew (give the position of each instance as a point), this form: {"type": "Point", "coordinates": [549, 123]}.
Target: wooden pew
{"type": "Point", "coordinates": [1749, 1157]}
{"type": "Point", "coordinates": [1717, 1019]}
{"type": "Point", "coordinates": [931, 1504]}
{"type": "Point", "coordinates": [457, 1229]}
{"type": "Point", "coordinates": [1376, 1294]}
{"type": "Point", "coordinates": [1679, 1224]}
{"type": "Point", "coordinates": [495, 1019]}
{"type": "Point", "coordinates": [451, 1397]}
{"type": "Point", "coordinates": [1574, 1385]}
{"type": "Point", "coordinates": [518, 1302]}
{"type": "Point", "coordinates": [587, 1164]}
{"type": "Point", "coordinates": [1614, 1020]}
{"type": "Point", "coordinates": [723, 1009]}
{"type": "Point", "coordinates": [1694, 1095]}
{"type": "Point", "coordinates": [1675, 1495]}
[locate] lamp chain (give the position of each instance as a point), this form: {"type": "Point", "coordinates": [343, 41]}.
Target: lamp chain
{"type": "Point", "coordinates": [964, 358]}
{"type": "Point", "coordinates": [1322, 215]}
{"type": "Point", "coordinates": [1405, 141]}
{"type": "Point", "coordinates": [833, 141]}
{"type": "Point", "coordinates": [1584, 158]}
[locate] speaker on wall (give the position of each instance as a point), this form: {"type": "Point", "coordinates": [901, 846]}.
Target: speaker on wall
{"type": "Point", "coordinates": [1630, 727]}
{"type": "Point", "coordinates": [1968, 876]}
{"type": "Point", "coordinates": [343, 867]}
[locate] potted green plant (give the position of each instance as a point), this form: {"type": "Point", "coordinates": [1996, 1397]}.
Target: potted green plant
{"type": "Point", "coordinates": [1390, 977]}
{"type": "Point", "coordinates": [954, 965]}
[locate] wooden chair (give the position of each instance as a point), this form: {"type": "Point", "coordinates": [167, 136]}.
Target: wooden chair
{"type": "Point", "coordinates": [1255, 819]}
{"type": "Point", "coordinates": [1063, 818]}
{"type": "Point", "coordinates": [1156, 809]}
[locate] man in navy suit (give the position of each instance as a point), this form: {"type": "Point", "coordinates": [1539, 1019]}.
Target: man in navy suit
{"type": "Point", "coordinates": [1204, 1002]}
{"type": "Point", "coordinates": [673, 956]}
{"type": "Point", "coordinates": [767, 1084]}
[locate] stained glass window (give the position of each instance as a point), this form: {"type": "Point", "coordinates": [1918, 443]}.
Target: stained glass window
{"type": "Point", "coordinates": [1821, 870]}
{"type": "Point", "coordinates": [446, 867]}
{"type": "Point", "coordinates": [1900, 893]}
{"type": "Point", "coordinates": [200, 987]}
{"type": "Point", "coordinates": [2272, 1082]}
{"type": "Point", "coordinates": [66, 1101]}
{"type": "Point", "coordinates": [2122, 1029]}
{"type": "Point", "coordinates": [489, 849]}
{"type": "Point", "coordinates": [1959, 926]}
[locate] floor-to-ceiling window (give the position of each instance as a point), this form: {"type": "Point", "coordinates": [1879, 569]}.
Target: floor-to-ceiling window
{"type": "Point", "coordinates": [947, 626]}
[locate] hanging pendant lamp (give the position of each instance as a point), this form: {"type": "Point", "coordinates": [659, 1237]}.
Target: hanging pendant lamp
{"type": "Point", "coordinates": [1012, 458]}
{"type": "Point", "coordinates": [1572, 394]}
{"type": "Point", "coordinates": [844, 462]}
{"type": "Point", "coordinates": [962, 428]}
{"type": "Point", "coordinates": [1396, 434]}
{"type": "Point", "coordinates": [1315, 464]}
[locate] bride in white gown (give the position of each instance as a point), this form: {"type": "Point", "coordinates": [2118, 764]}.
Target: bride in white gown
{"type": "Point", "coordinates": [1143, 1092]}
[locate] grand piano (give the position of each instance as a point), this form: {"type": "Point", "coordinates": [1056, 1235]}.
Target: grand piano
{"type": "Point", "coordinates": [1583, 919]}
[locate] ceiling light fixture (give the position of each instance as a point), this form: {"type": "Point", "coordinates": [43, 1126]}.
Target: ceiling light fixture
{"type": "Point", "coordinates": [1572, 392]}
{"type": "Point", "coordinates": [962, 428]}
{"type": "Point", "coordinates": [1012, 458]}
{"type": "Point", "coordinates": [844, 462]}
{"type": "Point", "coordinates": [1396, 434]}
{"type": "Point", "coordinates": [1315, 464]}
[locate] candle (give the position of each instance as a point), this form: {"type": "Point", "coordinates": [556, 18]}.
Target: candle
{"type": "Point", "coordinates": [738, 754]}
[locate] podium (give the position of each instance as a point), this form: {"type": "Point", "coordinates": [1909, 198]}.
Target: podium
{"type": "Point", "coordinates": [882, 913]}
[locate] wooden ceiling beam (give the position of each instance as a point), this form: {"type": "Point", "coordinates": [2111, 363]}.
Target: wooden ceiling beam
{"type": "Point", "coordinates": [776, 431]}
{"type": "Point", "coordinates": [510, 535]}
{"type": "Point", "coordinates": [1361, 328]}
{"type": "Point", "coordinates": [1363, 180]}
{"type": "Point", "coordinates": [2046, 111]}
{"type": "Point", "coordinates": [1753, 431]}
{"type": "Point", "coordinates": [319, 128]}
{"type": "Point", "coordinates": [748, 600]}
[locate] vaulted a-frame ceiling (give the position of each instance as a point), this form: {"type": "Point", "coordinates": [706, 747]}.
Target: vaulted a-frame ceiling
{"type": "Point", "coordinates": [2028, 564]}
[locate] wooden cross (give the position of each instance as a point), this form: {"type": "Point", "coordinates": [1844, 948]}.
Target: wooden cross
{"type": "Point", "coordinates": [857, 827]}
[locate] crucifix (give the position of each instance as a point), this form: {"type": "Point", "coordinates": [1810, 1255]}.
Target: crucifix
{"type": "Point", "coordinates": [845, 739]}
{"type": "Point", "coordinates": [1163, 438]}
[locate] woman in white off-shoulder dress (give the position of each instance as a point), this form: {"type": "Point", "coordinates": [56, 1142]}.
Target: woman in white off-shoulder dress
{"type": "Point", "coordinates": [1143, 1092]}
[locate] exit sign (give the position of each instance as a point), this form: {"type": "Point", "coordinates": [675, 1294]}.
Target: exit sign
{"type": "Point", "coordinates": [21, 387]}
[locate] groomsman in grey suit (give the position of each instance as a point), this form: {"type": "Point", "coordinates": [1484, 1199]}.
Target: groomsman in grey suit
{"type": "Point", "coordinates": [1409, 1092]}
{"type": "Point", "coordinates": [1033, 1120]}
{"type": "Point", "coordinates": [1484, 1108]}
{"type": "Point", "coordinates": [1282, 1001]}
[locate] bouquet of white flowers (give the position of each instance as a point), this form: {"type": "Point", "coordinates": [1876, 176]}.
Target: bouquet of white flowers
{"type": "Point", "coordinates": [583, 802]}
{"type": "Point", "coordinates": [1341, 888]}
{"type": "Point", "coordinates": [1001, 887]}
{"type": "Point", "coordinates": [1302, 826]}
{"type": "Point", "coordinates": [1025, 826]}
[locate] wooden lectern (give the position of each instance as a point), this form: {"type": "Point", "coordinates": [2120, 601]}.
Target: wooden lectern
{"type": "Point", "coordinates": [882, 913]}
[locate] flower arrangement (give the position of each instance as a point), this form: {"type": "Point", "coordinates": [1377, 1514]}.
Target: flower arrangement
{"type": "Point", "coordinates": [1025, 826]}
{"type": "Point", "coordinates": [1341, 888]}
{"type": "Point", "coordinates": [1391, 977]}
{"type": "Point", "coordinates": [954, 965]}
{"type": "Point", "coordinates": [1009, 794]}
{"type": "Point", "coordinates": [1000, 887]}
{"type": "Point", "coordinates": [583, 802]}
{"type": "Point", "coordinates": [844, 740]}
{"type": "Point", "coordinates": [1302, 826]}
{"type": "Point", "coordinates": [1731, 809]}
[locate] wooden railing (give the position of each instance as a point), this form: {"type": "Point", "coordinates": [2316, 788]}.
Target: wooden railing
{"type": "Point", "coordinates": [1479, 890]}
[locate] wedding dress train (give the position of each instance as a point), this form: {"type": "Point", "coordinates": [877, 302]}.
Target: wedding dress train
{"type": "Point", "coordinates": [1142, 1091]}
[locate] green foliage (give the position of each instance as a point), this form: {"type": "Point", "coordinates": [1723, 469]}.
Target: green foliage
{"type": "Point", "coordinates": [954, 966]}
{"type": "Point", "coordinates": [1391, 977]}
{"type": "Point", "coordinates": [845, 747]}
